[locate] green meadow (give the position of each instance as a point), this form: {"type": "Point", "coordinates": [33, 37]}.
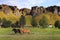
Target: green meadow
{"type": "Point", "coordinates": [35, 34]}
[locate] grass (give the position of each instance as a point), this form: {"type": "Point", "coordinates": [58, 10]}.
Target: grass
{"type": "Point", "coordinates": [36, 34]}
{"type": "Point", "coordinates": [30, 37]}
{"type": "Point", "coordinates": [28, 20]}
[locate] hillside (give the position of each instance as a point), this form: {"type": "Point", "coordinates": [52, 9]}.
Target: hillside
{"type": "Point", "coordinates": [13, 14]}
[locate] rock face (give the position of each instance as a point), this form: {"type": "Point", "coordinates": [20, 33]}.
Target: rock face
{"type": "Point", "coordinates": [34, 11]}
{"type": "Point", "coordinates": [54, 9]}
{"type": "Point", "coordinates": [15, 10]}
{"type": "Point", "coordinates": [37, 10]}
{"type": "Point", "coordinates": [6, 9]}
{"type": "Point", "coordinates": [25, 11]}
{"type": "Point", "coordinates": [42, 10]}
{"type": "Point", "coordinates": [9, 9]}
{"type": "Point", "coordinates": [0, 7]}
{"type": "Point", "coordinates": [12, 8]}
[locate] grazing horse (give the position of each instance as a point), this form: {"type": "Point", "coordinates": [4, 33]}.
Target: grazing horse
{"type": "Point", "coordinates": [25, 31]}
{"type": "Point", "coordinates": [16, 30]}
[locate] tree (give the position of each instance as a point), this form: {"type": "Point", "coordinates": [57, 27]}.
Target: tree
{"type": "Point", "coordinates": [33, 22]}
{"type": "Point", "coordinates": [43, 22]}
{"type": "Point", "coordinates": [13, 25]}
{"type": "Point", "coordinates": [6, 23]}
{"type": "Point", "coordinates": [0, 21]}
{"type": "Point", "coordinates": [22, 21]}
{"type": "Point", "coordinates": [57, 24]}
{"type": "Point", "coordinates": [16, 24]}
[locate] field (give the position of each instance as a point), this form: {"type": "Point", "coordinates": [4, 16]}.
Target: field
{"type": "Point", "coordinates": [35, 34]}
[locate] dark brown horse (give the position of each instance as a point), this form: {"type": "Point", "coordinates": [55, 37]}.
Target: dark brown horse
{"type": "Point", "coordinates": [16, 30]}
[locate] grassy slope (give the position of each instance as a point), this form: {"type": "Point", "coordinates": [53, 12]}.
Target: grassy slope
{"type": "Point", "coordinates": [30, 37]}
{"type": "Point", "coordinates": [10, 17]}
{"type": "Point", "coordinates": [36, 34]}
{"type": "Point", "coordinates": [51, 17]}
{"type": "Point", "coordinates": [28, 20]}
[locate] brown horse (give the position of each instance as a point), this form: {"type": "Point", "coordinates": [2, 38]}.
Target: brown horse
{"type": "Point", "coordinates": [25, 30]}
{"type": "Point", "coordinates": [16, 30]}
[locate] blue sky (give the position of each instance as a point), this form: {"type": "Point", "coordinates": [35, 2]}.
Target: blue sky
{"type": "Point", "coordinates": [30, 3]}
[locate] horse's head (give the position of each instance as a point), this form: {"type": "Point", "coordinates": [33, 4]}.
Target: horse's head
{"type": "Point", "coordinates": [21, 29]}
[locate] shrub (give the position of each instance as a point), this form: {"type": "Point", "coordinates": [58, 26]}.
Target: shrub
{"type": "Point", "coordinates": [15, 25]}
{"type": "Point", "coordinates": [0, 21]}
{"type": "Point", "coordinates": [57, 24]}
{"type": "Point", "coordinates": [33, 22]}
{"type": "Point", "coordinates": [22, 21]}
{"type": "Point", "coordinates": [6, 23]}
{"type": "Point", "coordinates": [43, 22]}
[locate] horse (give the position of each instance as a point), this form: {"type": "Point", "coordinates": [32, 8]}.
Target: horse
{"type": "Point", "coordinates": [21, 30]}
{"type": "Point", "coordinates": [16, 30]}
{"type": "Point", "coordinates": [25, 31]}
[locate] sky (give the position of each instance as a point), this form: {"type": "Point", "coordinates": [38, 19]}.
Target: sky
{"type": "Point", "coordinates": [30, 3]}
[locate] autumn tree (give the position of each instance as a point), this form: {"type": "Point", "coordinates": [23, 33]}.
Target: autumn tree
{"type": "Point", "coordinates": [6, 23]}
{"type": "Point", "coordinates": [43, 22]}
{"type": "Point", "coordinates": [57, 24]}
{"type": "Point", "coordinates": [22, 21]}
{"type": "Point", "coordinates": [33, 22]}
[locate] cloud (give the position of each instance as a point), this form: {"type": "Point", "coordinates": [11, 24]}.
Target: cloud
{"type": "Point", "coordinates": [29, 3]}
{"type": "Point", "coordinates": [22, 3]}
{"type": "Point", "coordinates": [58, 4]}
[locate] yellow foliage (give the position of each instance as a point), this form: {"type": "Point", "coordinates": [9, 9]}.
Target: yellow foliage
{"type": "Point", "coordinates": [28, 20]}
{"type": "Point", "coordinates": [50, 17]}
{"type": "Point", "coordinates": [10, 17]}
